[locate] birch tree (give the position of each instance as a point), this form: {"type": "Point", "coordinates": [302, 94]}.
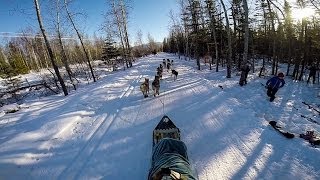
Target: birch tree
{"type": "Point", "coordinates": [246, 42]}
{"type": "Point", "coordinates": [118, 17]}
{"type": "Point", "coordinates": [125, 30]}
{"type": "Point", "coordinates": [62, 50]}
{"type": "Point", "coordinates": [52, 58]}
{"type": "Point", "coordinates": [81, 40]}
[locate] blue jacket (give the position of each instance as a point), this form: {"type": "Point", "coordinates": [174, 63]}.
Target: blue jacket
{"type": "Point", "coordinates": [275, 82]}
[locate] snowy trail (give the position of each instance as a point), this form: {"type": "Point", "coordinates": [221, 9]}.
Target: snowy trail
{"type": "Point", "coordinates": [104, 131]}
{"type": "Point", "coordinates": [106, 120]}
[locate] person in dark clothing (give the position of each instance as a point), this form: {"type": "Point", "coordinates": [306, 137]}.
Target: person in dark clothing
{"type": "Point", "coordinates": [244, 74]}
{"type": "Point", "coordinates": [313, 70]}
{"type": "Point", "coordinates": [274, 84]}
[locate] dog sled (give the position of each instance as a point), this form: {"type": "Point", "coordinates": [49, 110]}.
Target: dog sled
{"type": "Point", "coordinates": [169, 155]}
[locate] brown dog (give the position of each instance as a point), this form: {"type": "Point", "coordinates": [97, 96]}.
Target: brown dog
{"type": "Point", "coordinates": [144, 87]}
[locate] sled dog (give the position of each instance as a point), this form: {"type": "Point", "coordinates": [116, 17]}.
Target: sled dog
{"type": "Point", "coordinates": [175, 74]}
{"type": "Point", "coordinates": [144, 87]}
{"type": "Point", "coordinates": [156, 86]}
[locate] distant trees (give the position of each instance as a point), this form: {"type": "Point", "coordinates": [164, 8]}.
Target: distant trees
{"type": "Point", "coordinates": [65, 57]}
{"type": "Point", "coordinates": [5, 69]}
{"type": "Point", "coordinates": [139, 49]}
{"type": "Point", "coordinates": [200, 32]}
{"type": "Point", "coordinates": [237, 35]}
{"type": "Point", "coordinates": [152, 45]}
{"type": "Point", "coordinates": [117, 22]}
{"type": "Point", "coordinates": [16, 59]}
{"type": "Point", "coordinates": [203, 29]}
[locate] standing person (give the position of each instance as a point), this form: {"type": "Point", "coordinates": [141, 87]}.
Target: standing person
{"type": "Point", "coordinates": [312, 73]}
{"type": "Point", "coordinates": [274, 84]}
{"type": "Point", "coordinates": [244, 74]}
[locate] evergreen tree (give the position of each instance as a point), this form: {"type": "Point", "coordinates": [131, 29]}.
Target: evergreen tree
{"type": "Point", "coordinates": [16, 59]}
{"type": "Point", "coordinates": [110, 53]}
{"type": "Point", "coordinates": [109, 50]}
{"type": "Point", "coordinates": [5, 68]}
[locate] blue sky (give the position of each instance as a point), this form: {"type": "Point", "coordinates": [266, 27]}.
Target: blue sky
{"type": "Point", "coordinates": [148, 15]}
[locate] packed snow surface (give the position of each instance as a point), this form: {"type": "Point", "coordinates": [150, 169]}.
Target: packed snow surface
{"type": "Point", "coordinates": [104, 130]}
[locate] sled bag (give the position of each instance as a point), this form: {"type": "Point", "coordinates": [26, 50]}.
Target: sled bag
{"type": "Point", "coordinates": [170, 157]}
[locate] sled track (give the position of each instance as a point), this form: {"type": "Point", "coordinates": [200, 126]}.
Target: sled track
{"type": "Point", "coordinates": [78, 163]}
{"type": "Point", "coordinates": [245, 150]}
{"type": "Point", "coordinates": [258, 161]}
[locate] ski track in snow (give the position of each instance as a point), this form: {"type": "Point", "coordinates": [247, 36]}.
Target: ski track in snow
{"type": "Point", "coordinates": [104, 131]}
{"type": "Point", "coordinates": [81, 159]}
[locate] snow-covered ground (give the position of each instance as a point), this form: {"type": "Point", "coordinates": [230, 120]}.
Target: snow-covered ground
{"type": "Point", "coordinates": [104, 130]}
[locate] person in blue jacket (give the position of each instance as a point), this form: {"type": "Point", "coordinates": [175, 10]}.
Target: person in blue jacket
{"type": "Point", "coordinates": [274, 84]}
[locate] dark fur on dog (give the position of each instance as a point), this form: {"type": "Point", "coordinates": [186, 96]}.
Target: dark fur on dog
{"type": "Point", "coordinates": [164, 63]}
{"type": "Point", "coordinates": [175, 74]}
{"type": "Point", "coordinates": [156, 85]}
{"type": "Point", "coordinates": [146, 81]}
{"type": "Point", "coordinates": [159, 72]}
{"type": "Point", "coordinates": [168, 66]}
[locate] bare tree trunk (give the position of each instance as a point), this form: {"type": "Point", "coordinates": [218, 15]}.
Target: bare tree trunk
{"type": "Point", "coordinates": [186, 54]}
{"type": "Point", "coordinates": [81, 41]}
{"type": "Point", "coordinates": [55, 67]}
{"type": "Point", "coordinates": [289, 58]}
{"type": "Point", "coordinates": [246, 33]}
{"type": "Point", "coordinates": [273, 39]}
{"type": "Point", "coordinates": [35, 58]}
{"type": "Point", "coordinates": [195, 24]}
{"type": "Point", "coordinates": [214, 34]}
{"type": "Point", "coordinates": [246, 44]}
{"type": "Point", "coordinates": [304, 23]}
{"type": "Point", "coordinates": [63, 53]}
{"type": "Point", "coordinates": [229, 40]}
{"type": "Point", "coordinates": [120, 32]}
{"type": "Point", "coordinates": [234, 35]}
{"type": "Point", "coordinates": [125, 29]}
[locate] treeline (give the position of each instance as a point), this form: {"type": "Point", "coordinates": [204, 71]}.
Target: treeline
{"type": "Point", "coordinates": [68, 56]}
{"type": "Point", "coordinates": [233, 36]}
{"type": "Point", "coordinates": [20, 55]}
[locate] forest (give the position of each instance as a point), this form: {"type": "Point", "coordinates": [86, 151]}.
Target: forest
{"type": "Point", "coordinates": [221, 33]}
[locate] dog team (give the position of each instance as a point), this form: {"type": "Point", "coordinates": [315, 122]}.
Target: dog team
{"type": "Point", "coordinates": [144, 87]}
